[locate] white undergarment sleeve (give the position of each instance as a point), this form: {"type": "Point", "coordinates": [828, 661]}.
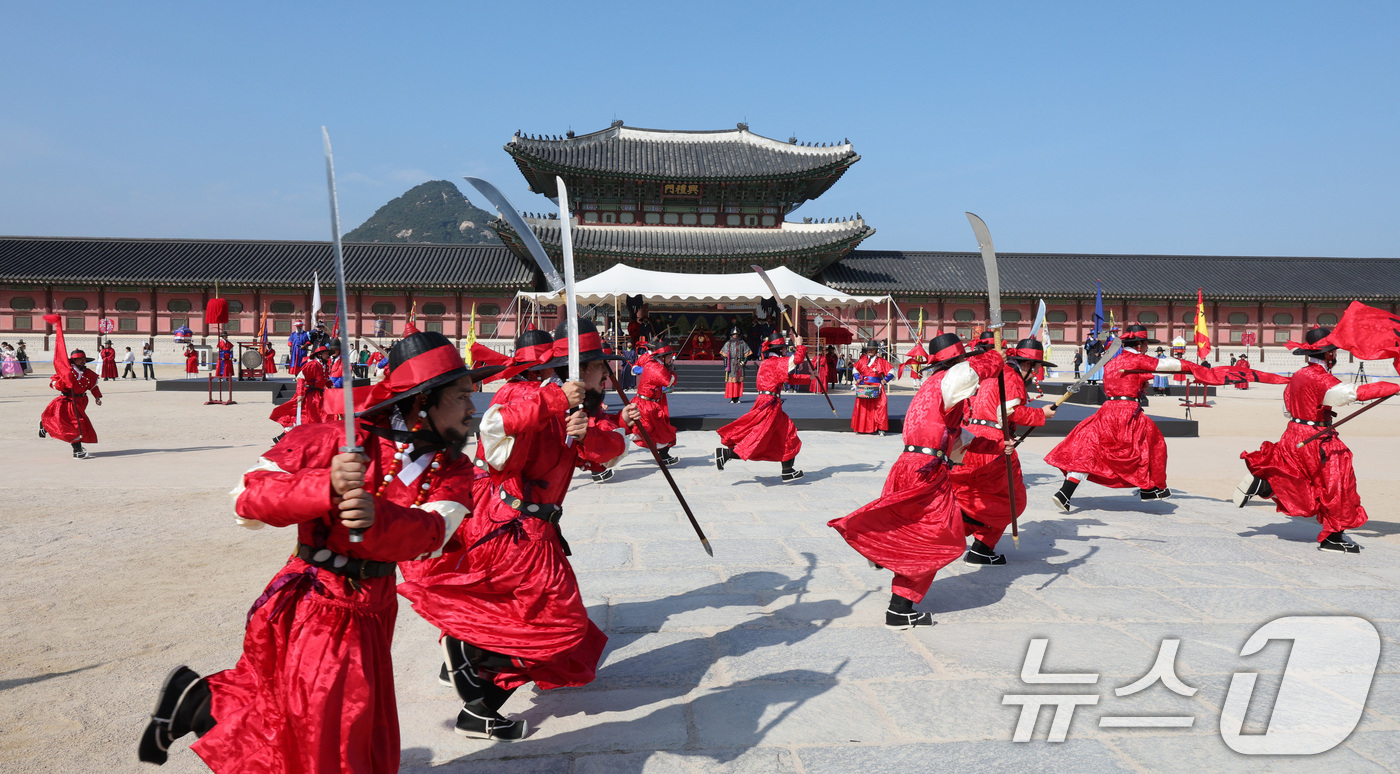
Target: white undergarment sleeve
{"type": "Point", "coordinates": [1340, 395]}
{"type": "Point", "coordinates": [452, 514]}
{"type": "Point", "coordinates": [959, 384]}
{"type": "Point", "coordinates": [264, 464]}
{"type": "Point", "coordinates": [1168, 365]}
{"type": "Point", "coordinates": [495, 443]}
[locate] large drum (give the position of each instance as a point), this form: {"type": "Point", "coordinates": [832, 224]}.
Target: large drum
{"type": "Point", "coordinates": [251, 359]}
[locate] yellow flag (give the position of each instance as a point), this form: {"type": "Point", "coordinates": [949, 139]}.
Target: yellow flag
{"type": "Point", "coordinates": [471, 336]}
{"type": "Point", "coordinates": [1202, 336]}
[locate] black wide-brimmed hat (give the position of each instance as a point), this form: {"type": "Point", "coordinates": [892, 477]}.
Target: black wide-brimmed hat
{"type": "Point", "coordinates": [1136, 334]}
{"type": "Point", "coordinates": [985, 341]}
{"type": "Point", "coordinates": [418, 363]}
{"type": "Point", "coordinates": [1314, 344]}
{"type": "Point", "coordinates": [78, 354]}
{"type": "Point", "coordinates": [590, 346]}
{"type": "Point", "coordinates": [1029, 351]}
{"type": "Point", "coordinates": [869, 345]}
{"type": "Point", "coordinates": [776, 342]}
{"type": "Point", "coordinates": [947, 349]}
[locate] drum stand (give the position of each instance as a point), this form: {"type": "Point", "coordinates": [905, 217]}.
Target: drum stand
{"type": "Point", "coordinates": [220, 381]}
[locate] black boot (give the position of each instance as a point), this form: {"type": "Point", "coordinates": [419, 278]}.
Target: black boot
{"type": "Point", "coordinates": [79, 453]}
{"type": "Point", "coordinates": [464, 663]}
{"type": "Point", "coordinates": [901, 614]}
{"type": "Point", "coordinates": [182, 707]}
{"type": "Point", "coordinates": [478, 721]}
{"type": "Point", "coordinates": [1338, 541]}
{"type": "Point", "coordinates": [790, 472]}
{"type": "Point", "coordinates": [42, 432]}
{"type": "Point", "coordinates": [981, 553]}
{"type": "Point", "coordinates": [1158, 493]}
{"type": "Point", "coordinates": [603, 475]}
{"type": "Point", "coordinates": [724, 454]}
{"type": "Point", "coordinates": [666, 458]}
{"type": "Point", "coordinates": [1063, 496]}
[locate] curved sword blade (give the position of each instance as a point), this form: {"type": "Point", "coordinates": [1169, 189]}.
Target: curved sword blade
{"type": "Point", "coordinates": [527, 235]}
{"type": "Point", "coordinates": [566, 241]}
{"type": "Point", "coordinates": [1039, 319]}
{"type": "Point", "coordinates": [989, 263]}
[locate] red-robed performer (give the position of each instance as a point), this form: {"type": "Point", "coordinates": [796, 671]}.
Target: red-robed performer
{"type": "Point", "coordinates": [915, 527]}
{"type": "Point", "coordinates": [1315, 480]}
{"type": "Point", "coordinates": [308, 406]}
{"type": "Point", "coordinates": [314, 690]}
{"type": "Point", "coordinates": [65, 418]}
{"type": "Point", "coordinates": [1119, 446]}
{"type": "Point", "coordinates": [980, 481]}
{"type": "Point", "coordinates": [191, 360]}
{"type": "Point", "coordinates": [826, 369]}
{"type": "Point", "coordinates": [504, 593]}
{"type": "Point", "coordinates": [1242, 365]}
{"type": "Point", "coordinates": [654, 383]}
{"type": "Point", "coordinates": [269, 359]}
{"type": "Point", "coordinates": [872, 373]}
{"type": "Point", "coordinates": [766, 433]}
{"type": "Point", "coordinates": [109, 361]}
{"type": "Point", "coordinates": [224, 369]}
{"type": "Point", "coordinates": [735, 353]}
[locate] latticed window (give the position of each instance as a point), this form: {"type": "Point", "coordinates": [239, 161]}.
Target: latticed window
{"type": "Point", "coordinates": [488, 320]}
{"type": "Point", "coordinates": [865, 318]}
{"type": "Point", "coordinates": [1327, 319]}
{"type": "Point", "coordinates": [1057, 316]}
{"type": "Point", "coordinates": [75, 304]}
{"type": "Point", "coordinates": [178, 305]}
{"type": "Point", "coordinates": [128, 305]}
{"type": "Point", "coordinates": [126, 324]}
{"type": "Point", "coordinates": [964, 315]}
{"type": "Point", "coordinates": [283, 307]}
{"type": "Point", "coordinates": [1283, 318]}
{"type": "Point", "coordinates": [434, 309]}
{"type": "Point", "coordinates": [383, 307]}
{"type": "Point", "coordinates": [1239, 318]}
{"type": "Point", "coordinates": [21, 303]}
{"type": "Point", "coordinates": [1010, 315]}
{"type": "Point", "coordinates": [1147, 317]}
{"type": "Point", "coordinates": [235, 306]}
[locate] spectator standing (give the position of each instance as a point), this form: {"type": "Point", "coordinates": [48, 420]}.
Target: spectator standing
{"type": "Point", "coordinates": [23, 358]}
{"type": "Point", "coordinates": [148, 365]}
{"type": "Point", "coordinates": [129, 360]}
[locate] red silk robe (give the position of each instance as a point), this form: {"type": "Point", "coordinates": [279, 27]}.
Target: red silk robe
{"type": "Point", "coordinates": [505, 583]}
{"type": "Point", "coordinates": [312, 384]}
{"type": "Point", "coordinates": [109, 362]}
{"type": "Point", "coordinates": [871, 414]}
{"type": "Point", "coordinates": [1118, 445]}
{"type": "Point", "coordinates": [65, 418]}
{"type": "Point", "coordinates": [269, 358]}
{"type": "Point", "coordinates": [1316, 480]}
{"type": "Point", "coordinates": [191, 360]}
{"type": "Point", "coordinates": [652, 386]}
{"type": "Point", "coordinates": [765, 432]}
{"type": "Point", "coordinates": [314, 690]}
{"type": "Point", "coordinates": [980, 482]}
{"type": "Point", "coordinates": [915, 528]}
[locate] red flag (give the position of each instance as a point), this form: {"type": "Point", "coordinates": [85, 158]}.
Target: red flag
{"type": "Point", "coordinates": [917, 357]}
{"type": "Point", "coordinates": [62, 369]}
{"type": "Point", "coordinates": [1222, 375]}
{"type": "Point", "coordinates": [1367, 332]}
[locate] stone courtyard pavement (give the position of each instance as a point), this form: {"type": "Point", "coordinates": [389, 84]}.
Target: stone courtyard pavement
{"type": "Point", "coordinates": [773, 657]}
{"type": "Point", "coordinates": [770, 657]}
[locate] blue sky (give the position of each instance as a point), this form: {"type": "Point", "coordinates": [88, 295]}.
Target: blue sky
{"type": "Point", "coordinates": [1265, 128]}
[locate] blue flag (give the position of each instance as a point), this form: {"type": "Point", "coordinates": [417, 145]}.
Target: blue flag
{"type": "Point", "coordinates": [1099, 319]}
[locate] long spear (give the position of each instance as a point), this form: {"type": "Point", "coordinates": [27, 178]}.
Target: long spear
{"type": "Point", "coordinates": [350, 447]}
{"type": "Point", "coordinates": [989, 263]}
{"type": "Point", "coordinates": [779, 300]}
{"type": "Point", "coordinates": [1351, 416]}
{"type": "Point", "coordinates": [665, 471]}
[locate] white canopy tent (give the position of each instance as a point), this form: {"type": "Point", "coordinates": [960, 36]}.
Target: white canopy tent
{"type": "Point", "coordinates": [669, 287]}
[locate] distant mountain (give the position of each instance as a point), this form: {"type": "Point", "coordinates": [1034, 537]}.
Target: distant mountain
{"type": "Point", "coordinates": [434, 212]}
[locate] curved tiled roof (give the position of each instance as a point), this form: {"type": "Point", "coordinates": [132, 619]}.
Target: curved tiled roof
{"type": "Point", "coordinates": [174, 262]}
{"type": "Point", "coordinates": [1063, 275]}
{"type": "Point", "coordinates": [650, 154]}
{"type": "Point", "coordinates": [697, 241]}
